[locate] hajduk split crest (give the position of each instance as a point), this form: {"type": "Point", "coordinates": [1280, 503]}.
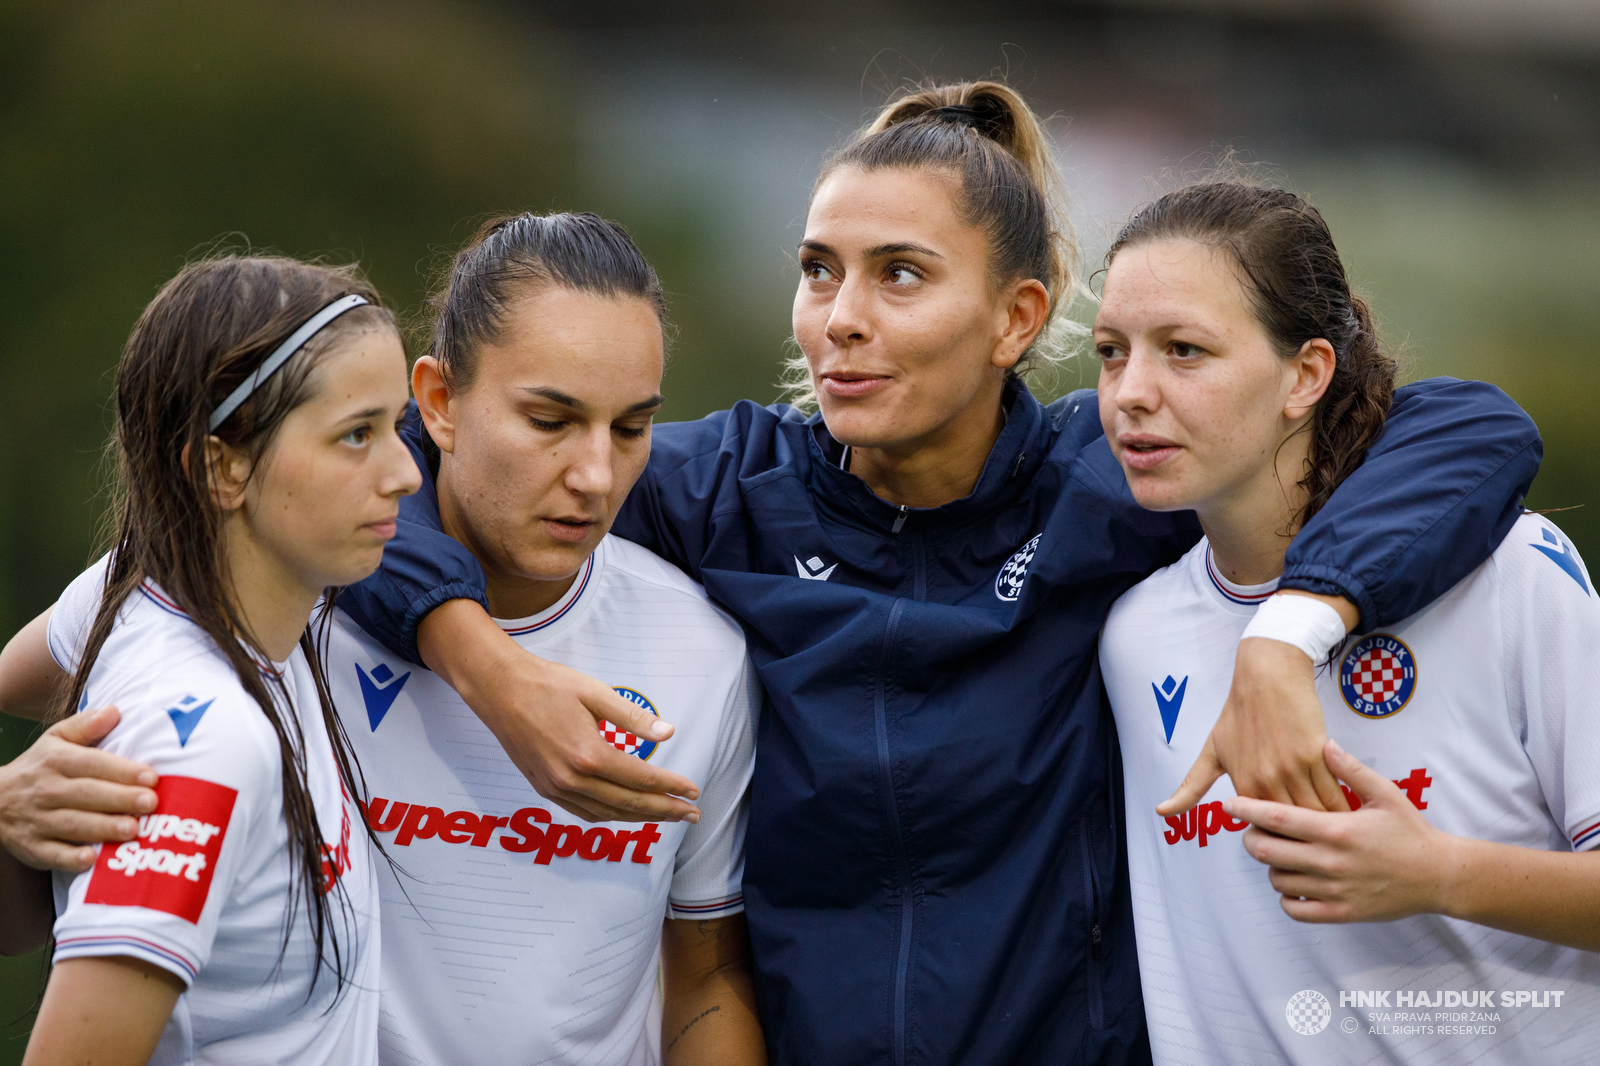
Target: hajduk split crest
{"type": "Point", "coordinates": [1378, 676]}
{"type": "Point", "coordinates": [1008, 582]}
{"type": "Point", "coordinates": [624, 741]}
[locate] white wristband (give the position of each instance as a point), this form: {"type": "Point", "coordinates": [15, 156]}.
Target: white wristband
{"type": "Point", "coordinates": [1310, 625]}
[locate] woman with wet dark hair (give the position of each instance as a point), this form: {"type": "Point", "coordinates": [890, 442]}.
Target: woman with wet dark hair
{"type": "Point", "coordinates": [260, 465]}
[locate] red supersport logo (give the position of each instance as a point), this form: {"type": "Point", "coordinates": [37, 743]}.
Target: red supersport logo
{"type": "Point", "coordinates": [532, 826]}
{"type": "Point", "coordinates": [1209, 819]}
{"type": "Point", "coordinates": [336, 858]}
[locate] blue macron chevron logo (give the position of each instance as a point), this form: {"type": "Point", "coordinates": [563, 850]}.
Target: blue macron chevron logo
{"type": "Point", "coordinates": [378, 690]}
{"type": "Point", "coordinates": [185, 716]}
{"type": "Point", "coordinates": [1563, 558]}
{"type": "Point", "coordinates": [1169, 698]}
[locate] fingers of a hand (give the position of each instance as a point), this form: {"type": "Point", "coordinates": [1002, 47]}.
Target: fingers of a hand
{"type": "Point", "coordinates": [605, 704]}
{"type": "Point", "coordinates": [1307, 886]}
{"type": "Point", "coordinates": [1302, 788]}
{"type": "Point", "coordinates": [93, 794]}
{"type": "Point", "coordinates": [626, 805]}
{"type": "Point", "coordinates": [576, 807]}
{"type": "Point", "coordinates": [1329, 795]}
{"type": "Point", "coordinates": [1314, 911]}
{"type": "Point", "coordinates": [1280, 853]}
{"type": "Point", "coordinates": [73, 760]}
{"type": "Point", "coordinates": [54, 855]}
{"type": "Point", "coordinates": [1280, 819]}
{"type": "Point", "coordinates": [82, 827]}
{"type": "Point", "coordinates": [87, 726]}
{"type": "Point", "coordinates": [1371, 786]}
{"type": "Point", "coordinates": [1196, 783]}
{"type": "Point", "coordinates": [635, 775]}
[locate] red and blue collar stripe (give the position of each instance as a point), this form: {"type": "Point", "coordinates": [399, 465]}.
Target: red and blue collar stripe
{"type": "Point", "coordinates": [572, 598]}
{"type": "Point", "coordinates": [154, 594]}
{"type": "Point", "coordinates": [1249, 599]}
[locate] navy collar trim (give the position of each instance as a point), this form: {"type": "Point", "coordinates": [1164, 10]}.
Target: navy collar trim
{"type": "Point", "coordinates": [1016, 456]}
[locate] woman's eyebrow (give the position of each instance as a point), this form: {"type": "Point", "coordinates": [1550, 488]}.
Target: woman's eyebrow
{"type": "Point", "coordinates": [556, 396]}
{"type": "Point", "coordinates": [371, 412]}
{"type": "Point", "coordinates": [899, 248]}
{"type": "Point", "coordinates": [646, 405]}
{"type": "Point", "coordinates": [561, 399]}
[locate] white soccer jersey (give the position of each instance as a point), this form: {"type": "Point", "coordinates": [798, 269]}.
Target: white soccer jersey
{"type": "Point", "coordinates": [1481, 707]}
{"type": "Point", "coordinates": [202, 892]}
{"type": "Point", "coordinates": [517, 933]}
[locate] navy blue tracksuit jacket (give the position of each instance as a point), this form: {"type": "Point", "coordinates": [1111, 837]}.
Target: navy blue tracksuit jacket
{"type": "Point", "coordinates": [935, 871]}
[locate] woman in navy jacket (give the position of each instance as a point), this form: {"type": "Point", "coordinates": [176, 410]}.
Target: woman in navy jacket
{"type": "Point", "coordinates": [934, 873]}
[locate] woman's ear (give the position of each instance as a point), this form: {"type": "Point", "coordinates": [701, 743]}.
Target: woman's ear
{"type": "Point", "coordinates": [433, 395]}
{"type": "Point", "coordinates": [1312, 367]}
{"type": "Point", "coordinates": [227, 473]}
{"type": "Point", "coordinates": [1026, 313]}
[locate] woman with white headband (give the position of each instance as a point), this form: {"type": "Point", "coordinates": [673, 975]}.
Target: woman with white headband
{"type": "Point", "coordinates": [257, 410]}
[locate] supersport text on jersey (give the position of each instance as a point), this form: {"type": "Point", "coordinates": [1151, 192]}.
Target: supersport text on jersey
{"type": "Point", "coordinates": [512, 936]}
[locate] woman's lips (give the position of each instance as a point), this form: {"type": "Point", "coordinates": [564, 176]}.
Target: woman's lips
{"type": "Point", "coordinates": [1147, 453]}
{"type": "Point", "coordinates": [385, 529]}
{"type": "Point", "coordinates": [568, 530]}
{"type": "Point", "coordinates": [851, 386]}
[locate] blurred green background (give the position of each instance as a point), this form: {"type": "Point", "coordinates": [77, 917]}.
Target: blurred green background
{"type": "Point", "coordinates": [1452, 147]}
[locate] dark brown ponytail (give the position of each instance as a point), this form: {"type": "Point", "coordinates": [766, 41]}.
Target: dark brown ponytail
{"type": "Point", "coordinates": [204, 333]}
{"type": "Point", "coordinates": [1297, 284]}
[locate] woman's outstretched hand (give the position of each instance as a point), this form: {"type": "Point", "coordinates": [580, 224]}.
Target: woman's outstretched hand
{"type": "Point", "coordinates": [1380, 863]}
{"type": "Point", "coordinates": [61, 795]}
{"type": "Point", "coordinates": [546, 717]}
{"type": "Point", "coordinates": [1269, 736]}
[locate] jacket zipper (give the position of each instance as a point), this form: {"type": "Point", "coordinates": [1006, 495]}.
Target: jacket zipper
{"type": "Point", "coordinates": [880, 711]}
{"type": "Point", "coordinates": [1096, 944]}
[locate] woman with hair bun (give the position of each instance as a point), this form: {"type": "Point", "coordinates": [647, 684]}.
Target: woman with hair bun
{"type": "Point", "coordinates": [935, 869]}
{"type": "Point", "coordinates": [1243, 380]}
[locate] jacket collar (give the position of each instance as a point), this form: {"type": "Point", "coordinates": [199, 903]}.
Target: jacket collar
{"type": "Point", "coordinates": [1013, 461]}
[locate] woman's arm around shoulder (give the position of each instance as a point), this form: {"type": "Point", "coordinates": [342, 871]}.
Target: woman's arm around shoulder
{"type": "Point", "coordinates": [1436, 495]}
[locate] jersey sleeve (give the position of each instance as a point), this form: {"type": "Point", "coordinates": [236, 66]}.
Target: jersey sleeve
{"type": "Point", "coordinates": [74, 614]}
{"type": "Point", "coordinates": [1438, 492]}
{"type": "Point", "coordinates": [708, 875]}
{"type": "Point", "coordinates": [1550, 627]}
{"type": "Point", "coordinates": [158, 897]}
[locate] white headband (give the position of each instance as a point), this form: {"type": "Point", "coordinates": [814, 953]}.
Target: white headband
{"type": "Point", "coordinates": [280, 355]}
